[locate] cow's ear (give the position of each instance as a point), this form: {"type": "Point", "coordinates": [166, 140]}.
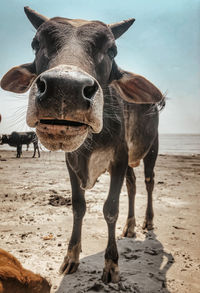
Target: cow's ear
{"type": "Point", "coordinates": [135, 88]}
{"type": "Point", "coordinates": [18, 79]}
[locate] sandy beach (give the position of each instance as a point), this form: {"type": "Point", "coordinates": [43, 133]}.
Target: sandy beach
{"type": "Point", "coordinates": [36, 222]}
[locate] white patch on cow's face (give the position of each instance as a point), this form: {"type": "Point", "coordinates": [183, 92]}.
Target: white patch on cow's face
{"type": "Point", "coordinates": [32, 115]}
{"type": "Point", "coordinates": [62, 137]}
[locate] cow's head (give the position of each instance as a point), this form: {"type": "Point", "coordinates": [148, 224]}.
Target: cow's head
{"type": "Point", "coordinates": [4, 139]}
{"type": "Point", "coordinates": [74, 62]}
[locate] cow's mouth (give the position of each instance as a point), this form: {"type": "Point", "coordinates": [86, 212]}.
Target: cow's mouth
{"type": "Point", "coordinates": [61, 134]}
{"type": "Point", "coordinates": [61, 122]}
{"type": "Point", "coordinates": [61, 126]}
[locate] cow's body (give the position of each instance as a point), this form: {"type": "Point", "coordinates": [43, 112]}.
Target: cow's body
{"type": "Point", "coordinates": [17, 139]}
{"type": "Point", "coordinates": [103, 117]}
{"type": "Point", "coordinates": [128, 134]}
{"type": "Point", "coordinates": [14, 278]}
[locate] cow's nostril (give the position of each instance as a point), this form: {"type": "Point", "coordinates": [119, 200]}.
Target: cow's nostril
{"type": "Point", "coordinates": [89, 91]}
{"type": "Point", "coordinates": [41, 84]}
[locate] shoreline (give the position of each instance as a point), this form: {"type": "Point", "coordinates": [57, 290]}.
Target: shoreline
{"type": "Point", "coordinates": [13, 149]}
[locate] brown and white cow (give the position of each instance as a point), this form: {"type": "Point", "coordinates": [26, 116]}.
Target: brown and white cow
{"type": "Point", "coordinates": [103, 117]}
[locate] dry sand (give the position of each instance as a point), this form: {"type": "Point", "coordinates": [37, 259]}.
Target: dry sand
{"type": "Point", "coordinates": [166, 259]}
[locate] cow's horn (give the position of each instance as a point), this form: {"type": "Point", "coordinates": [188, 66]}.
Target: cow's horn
{"type": "Point", "coordinates": [35, 18]}
{"type": "Point", "coordinates": [121, 27]}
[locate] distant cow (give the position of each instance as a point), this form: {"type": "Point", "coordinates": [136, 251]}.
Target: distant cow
{"type": "Point", "coordinates": [103, 117]}
{"type": "Point", "coordinates": [15, 279]}
{"type": "Point", "coordinates": [17, 139]}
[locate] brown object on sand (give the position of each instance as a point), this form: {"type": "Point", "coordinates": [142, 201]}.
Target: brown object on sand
{"type": "Point", "coordinates": [14, 276]}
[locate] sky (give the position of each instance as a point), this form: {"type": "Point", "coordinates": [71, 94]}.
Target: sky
{"type": "Point", "coordinates": [163, 45]}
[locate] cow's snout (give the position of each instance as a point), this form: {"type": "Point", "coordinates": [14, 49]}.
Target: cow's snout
{"type": "Point", "coordinates": [65, 104]}
{"type": "Point", "coordinates": [74, 90]}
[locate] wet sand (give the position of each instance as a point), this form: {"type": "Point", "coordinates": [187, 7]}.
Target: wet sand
{"type": "Point", "coordinates": [36, 222]}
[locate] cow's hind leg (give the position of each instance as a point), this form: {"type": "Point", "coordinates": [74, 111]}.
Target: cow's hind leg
{"type": "Point", "coordinates": [149, 164]}
{"type": "Point", "coordinates": [38, 151]}
{"type": "Point", "coordinates": [71, 260]}
{"type": "Point", "coordinates": [34, 146]}
{"type": "Point", "coordinates": [128, 230]}
{"type": "Point", "coordinates": [111, 210]}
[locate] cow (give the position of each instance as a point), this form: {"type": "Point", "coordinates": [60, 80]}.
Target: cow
{"type": "Point", "coordinates": [103, 117]}
{"type": "Point", "coordinates": [17, 139]}
{"type": "Point", "coordinates": [15, 278]}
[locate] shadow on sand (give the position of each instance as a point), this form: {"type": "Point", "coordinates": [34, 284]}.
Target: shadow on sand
{"type": "Point", "coordinates": [143, 267]}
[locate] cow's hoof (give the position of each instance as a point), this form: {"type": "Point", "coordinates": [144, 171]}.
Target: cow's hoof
{"type": "Point", "coordinates": [129, 229]}
{"type": "Point", "coordinates": [148, 224]}
{"type": "Point", "coordinates": [71, 260]}
{"type": "Point", "coordinates": [110, 272]}
{"type": "Point", "coordinates": [69, 266]}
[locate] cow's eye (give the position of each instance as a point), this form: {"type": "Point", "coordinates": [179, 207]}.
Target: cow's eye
{"type": "Point", "coordinates": [35, 45]}
{"type": "Point", "coordinates": [112, 52]}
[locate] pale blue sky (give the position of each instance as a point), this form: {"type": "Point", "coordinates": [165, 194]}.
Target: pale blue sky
{"type": "Point", "coordinates": [163, 45]}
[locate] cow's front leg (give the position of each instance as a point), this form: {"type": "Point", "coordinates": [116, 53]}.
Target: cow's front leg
{"type": "Point", "coordinates": [110, 210]}
{"type": "Point", "coordinates": [71, 260]}
{"type": "Point", "coordinates": [19, 151]}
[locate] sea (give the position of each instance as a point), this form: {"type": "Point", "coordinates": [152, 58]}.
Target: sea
{"type": "Point", "coordinates": [184, 144]}
{"type": "Point", "coordinates": [174, 144]}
